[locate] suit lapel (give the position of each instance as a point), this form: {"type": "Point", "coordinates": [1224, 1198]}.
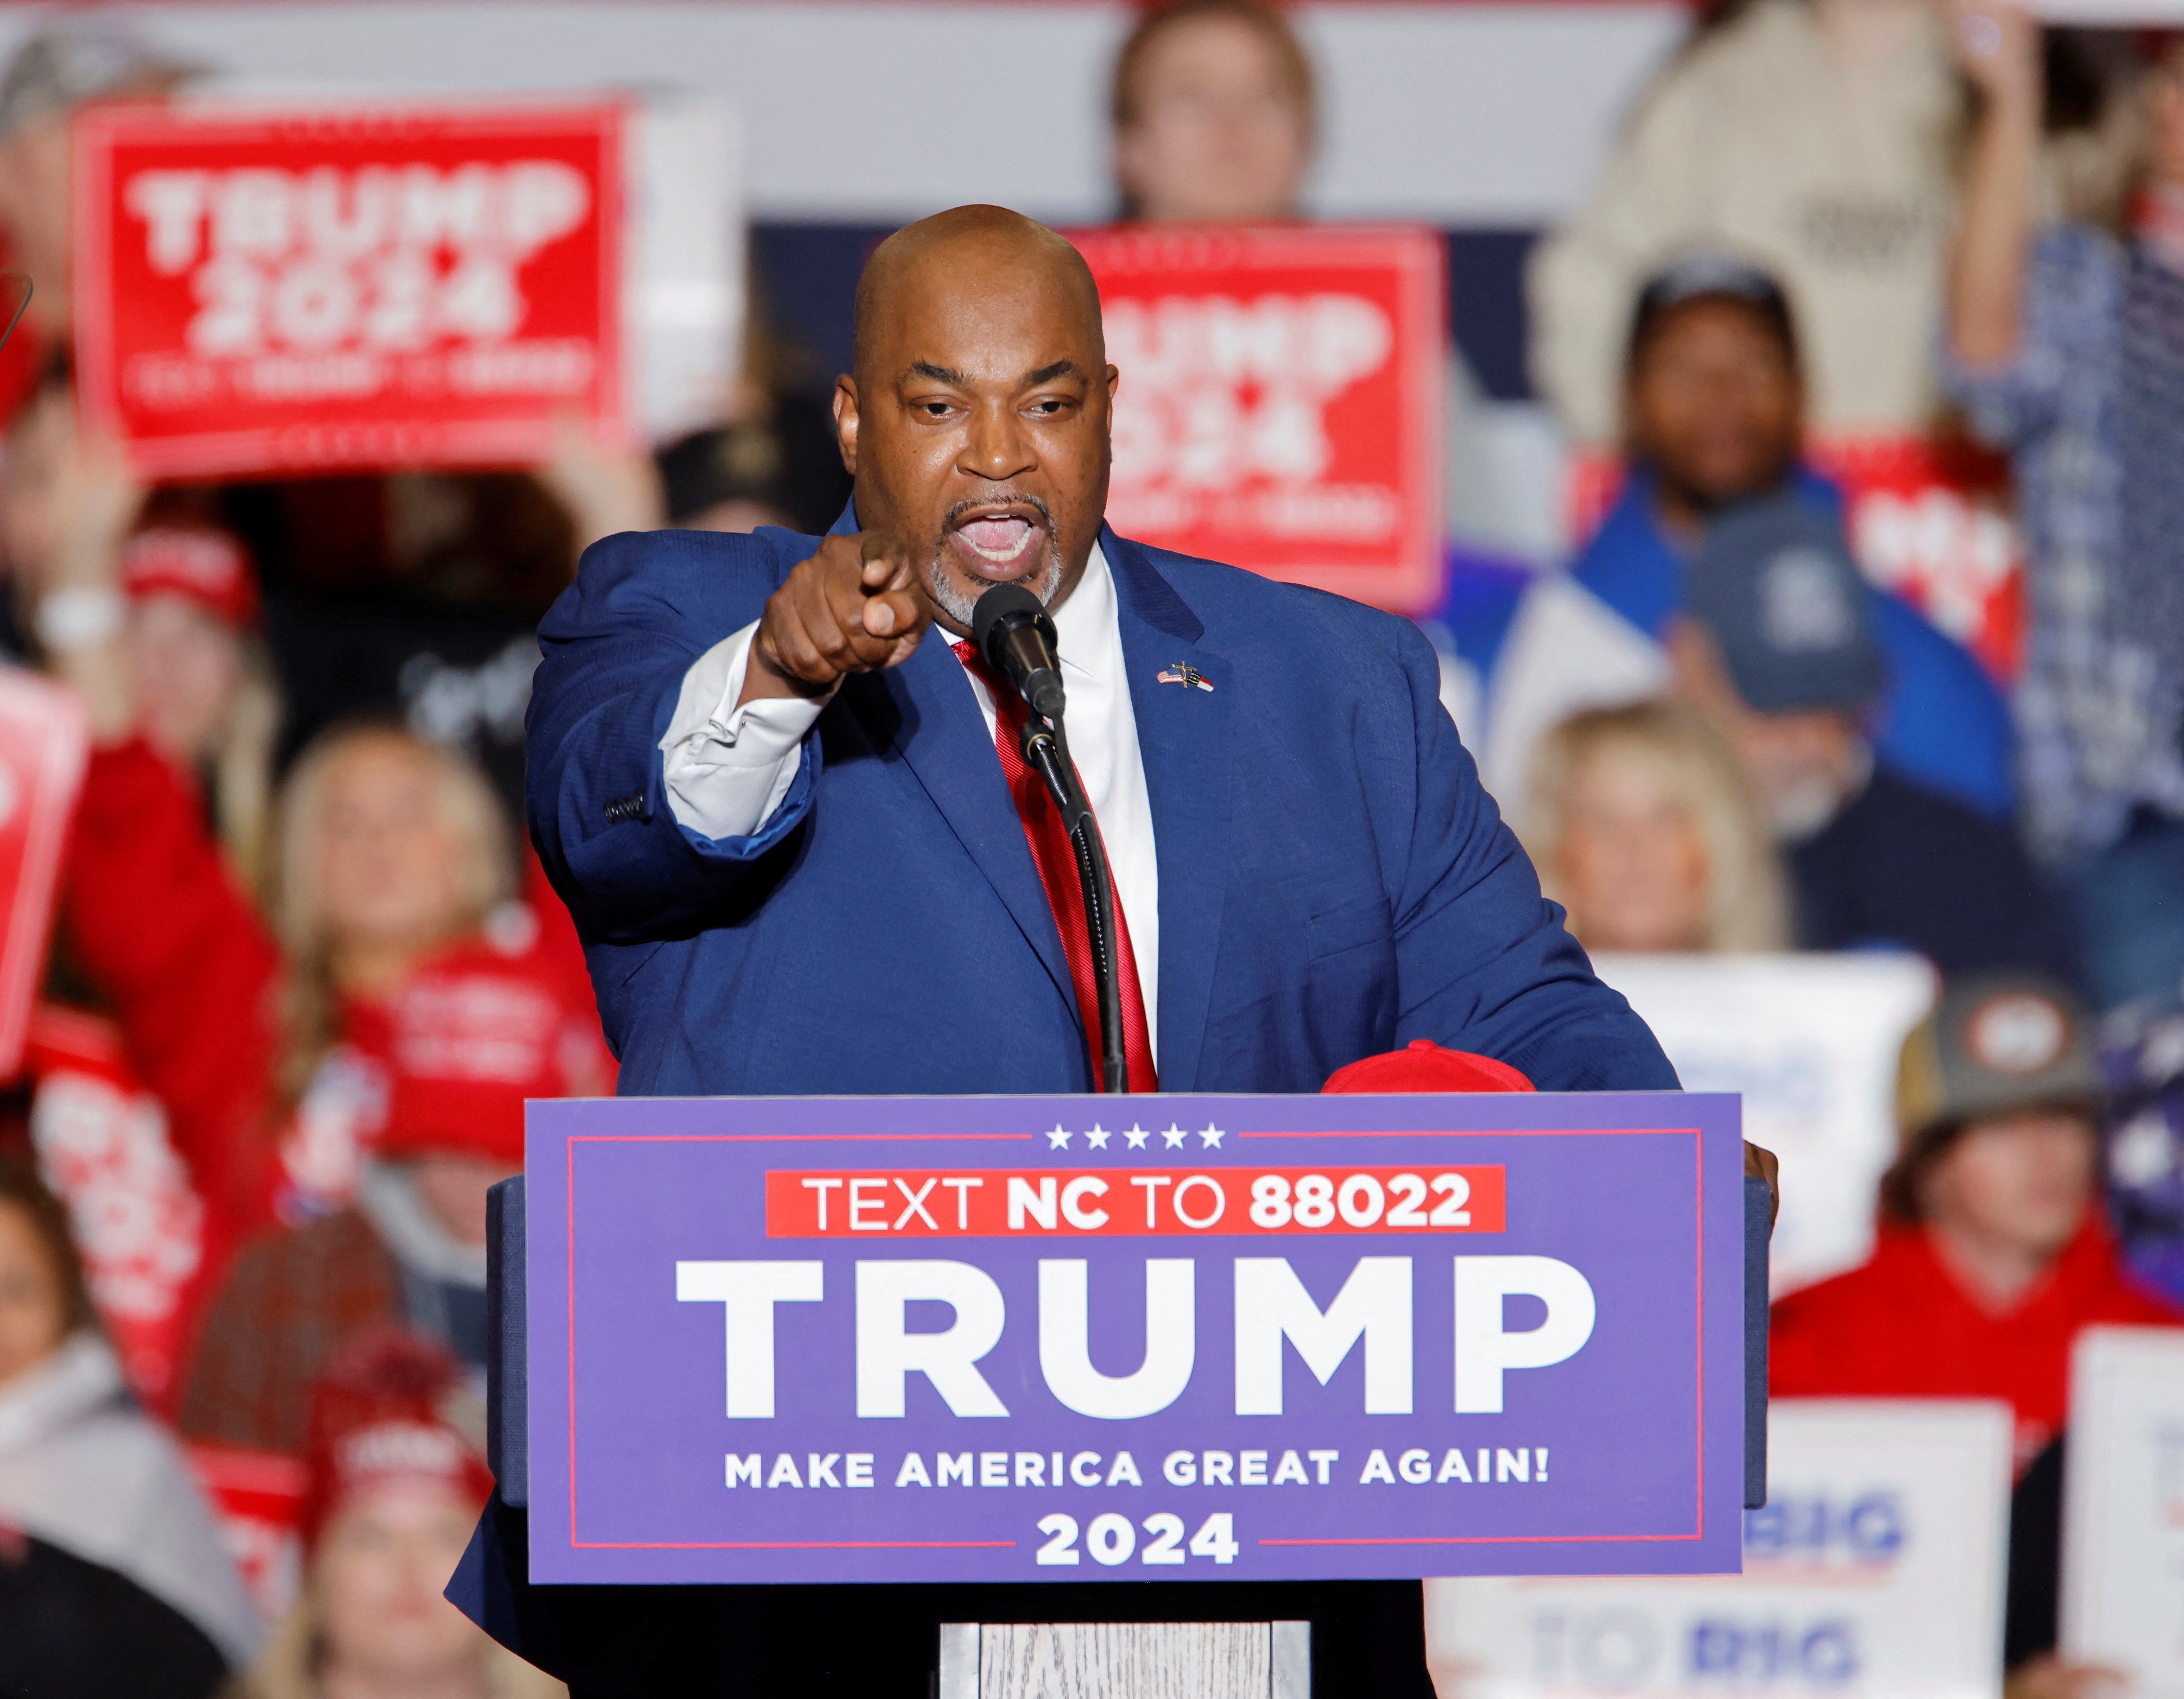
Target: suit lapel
{"type": "Point", "coordinates": [1185, 740]}
{"type": "Point", "coordinates": [923, 709]}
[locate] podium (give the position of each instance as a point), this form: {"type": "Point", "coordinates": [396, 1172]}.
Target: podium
{"type": "Point", "coordinates": [1094, 1339]}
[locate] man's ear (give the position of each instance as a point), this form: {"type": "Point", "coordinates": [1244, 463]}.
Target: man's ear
{"type": "Point", "coordinates": [846, 421]}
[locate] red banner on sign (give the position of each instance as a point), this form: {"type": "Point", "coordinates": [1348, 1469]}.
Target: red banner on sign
{"type": "Point", "coordinates": [140, 1224]}
{"type": "Point", "coordinates": [1931, 519]}
{"type": "Point", "coordinates": [1000, 1204]}
{"type": "Point", "coordinates": [42, 744]}
{"type": "Point", "coordinates": [1281, 397]}
{"type": "Point", "coordinates": [266, 290]}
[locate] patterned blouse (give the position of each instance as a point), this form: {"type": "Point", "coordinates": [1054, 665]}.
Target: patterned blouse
{"type": "Point", "coordinates": [2092, 409]}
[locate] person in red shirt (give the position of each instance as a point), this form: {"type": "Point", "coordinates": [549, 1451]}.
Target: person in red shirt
{"type": "Point", "coordinates": [1992, 1253]}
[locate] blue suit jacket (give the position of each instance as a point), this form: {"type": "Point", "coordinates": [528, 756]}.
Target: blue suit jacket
{"type": "Point", "coordinates": [1333, 882]}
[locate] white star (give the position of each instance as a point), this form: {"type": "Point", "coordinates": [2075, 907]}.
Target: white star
{"type": "Point", "coordinates": [1175, 1135]}
{"type": "Point", "coordinates": [1137, 1137]}
{"type": "Point", "coordinates": [1098, 1137]}
{"type": "Point", "coordinates": [1213, 1136]}
{"type": "Point", "coordinates": [1057, 1140]}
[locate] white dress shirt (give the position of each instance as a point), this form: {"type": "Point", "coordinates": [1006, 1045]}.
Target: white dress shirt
{"type": "Point", "coordinates": [728, 767]}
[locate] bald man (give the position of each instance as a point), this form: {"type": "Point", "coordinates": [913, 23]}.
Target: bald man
{"type": "Point", "coordinates": [771, 795]}
{"type": "Point", "coordinates": [785, 813]}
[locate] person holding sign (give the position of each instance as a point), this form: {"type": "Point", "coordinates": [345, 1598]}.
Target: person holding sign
{"type": "Point", "coordinates": [783, 795]}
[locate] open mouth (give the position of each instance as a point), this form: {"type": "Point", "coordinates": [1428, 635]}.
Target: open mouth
{"type": "Point", "coordinates": [1000, 543]}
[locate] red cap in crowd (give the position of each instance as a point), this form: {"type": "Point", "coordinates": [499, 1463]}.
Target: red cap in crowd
{"type": "Point", "coordinates": [1425, 1066]}
{"type": "Point", "coordinates": [377, 1417]}
{"type": "Point", "coordinates": [468, 1038]}
{"type": "Point", "coordinates": [200, 562]}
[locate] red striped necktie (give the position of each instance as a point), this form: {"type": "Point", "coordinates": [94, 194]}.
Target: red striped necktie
{"type": "Point", "coordinates": [1056, 861]}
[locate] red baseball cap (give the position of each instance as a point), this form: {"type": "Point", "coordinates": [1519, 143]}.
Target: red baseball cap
{"type": "Point", "coordinates": [201, 563]}
{"type": "Point", "coordinates": [377, 1416]}
{"type": "Point", "coordinates": [1425, 1066]}
{"type": "Point", "coordinates": [468, 1038]}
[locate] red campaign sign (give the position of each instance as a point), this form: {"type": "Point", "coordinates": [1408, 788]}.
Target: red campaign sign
{"type": "Point", "coordinates": [1930, 519]}
{"type": "Point", "coordinates": [104, 1146]}
{"type": "Point", "coordinates": [266, 290]}
{"type": "Point", "coordinates": [42, 745]}
{"type": "Point", "coordinates": [931, 1203]}
{"type": "Point", "coordinates": [1281, 398]}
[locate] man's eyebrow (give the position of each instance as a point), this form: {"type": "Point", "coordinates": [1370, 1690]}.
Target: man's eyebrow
{"type": "Point", "coordinates": [939, 374]}
{"type": "Point", "coordinates": [1047, 374]}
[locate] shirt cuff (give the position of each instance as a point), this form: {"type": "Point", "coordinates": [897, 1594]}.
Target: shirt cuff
{"type": "Point", "coordinates": [726, 767]}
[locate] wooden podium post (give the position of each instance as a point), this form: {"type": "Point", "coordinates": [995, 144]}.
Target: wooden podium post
{"type": "Point", "coordinates": [1125, 1660]}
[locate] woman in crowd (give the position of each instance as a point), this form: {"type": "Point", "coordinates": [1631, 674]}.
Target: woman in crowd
{"type": "Point", "coordinates": [395, 1489]}
{"type": "Point", "coordinates": [112, 1580]}
{"type": "Point", "coordinates": [2066, 346]}
{"type": "Point", "coordinates": [288, 1063]}
{"type": "Point", "coordinates": [271, 1049]}
{"type": "Point", "coordinates": [202, 676]}
{"type": "Point", "coordinates": [181, 594]}
{"type": "Point", "coordinates": [420, 1013]}
{"type": "Point", "coordinates": [1642, 825]}
{"type": "Point", "coordinates": [1214, 115]}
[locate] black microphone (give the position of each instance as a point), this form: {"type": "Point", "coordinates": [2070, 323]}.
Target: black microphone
{"type": "Point", "coordinates": [1011, 627]}
{"type": "Point", "coordinates": [1016, 637]}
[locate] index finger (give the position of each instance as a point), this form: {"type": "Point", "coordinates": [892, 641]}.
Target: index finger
{"type": "Point", "coordinates": [886, 567]}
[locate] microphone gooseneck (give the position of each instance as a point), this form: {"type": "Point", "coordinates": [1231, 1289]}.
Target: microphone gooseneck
{"type": "Point", "coordinates": [1017, 639]}
{"type": "Point", "coordinates": [1011, 627]}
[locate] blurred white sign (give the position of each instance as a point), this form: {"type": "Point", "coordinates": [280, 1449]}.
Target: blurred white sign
{"type": "Point", "coordinates": [2123, 1512]}
{"type": "Point", "coordinates": [682, 294]}
{"type": "Point", "coordinates": [1875, 1571]}
{"type": "Point", "coordinates": [1812, 1042]}
{"type": "Point", "coordinates": [2110, 12]}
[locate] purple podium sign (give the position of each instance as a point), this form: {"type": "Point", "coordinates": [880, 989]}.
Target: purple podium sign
{"type": "Point", "coordinates": [1171, 1338]}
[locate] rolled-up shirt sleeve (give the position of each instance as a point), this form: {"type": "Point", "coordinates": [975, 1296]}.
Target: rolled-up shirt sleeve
{"type": "Point", "coordinates": [727, 767]}
{"type": "Point", "coordinates": [2072, 301]}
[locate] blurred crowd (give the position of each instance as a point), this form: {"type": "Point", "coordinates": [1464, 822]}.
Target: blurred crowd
{"type": "Point", "coordinates": [306, 972]}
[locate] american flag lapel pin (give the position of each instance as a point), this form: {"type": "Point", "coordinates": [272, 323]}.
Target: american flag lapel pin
{"type": "Point", "coordinates": [1179, 674]}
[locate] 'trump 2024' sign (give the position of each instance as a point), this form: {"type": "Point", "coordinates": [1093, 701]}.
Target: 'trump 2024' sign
{"type": "Point", "coordinates": [1281, 399]}
{"type": "Point", "coordinates": [263, 289]}
{"type": "Point", "coordinates": [1134, 1339]}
